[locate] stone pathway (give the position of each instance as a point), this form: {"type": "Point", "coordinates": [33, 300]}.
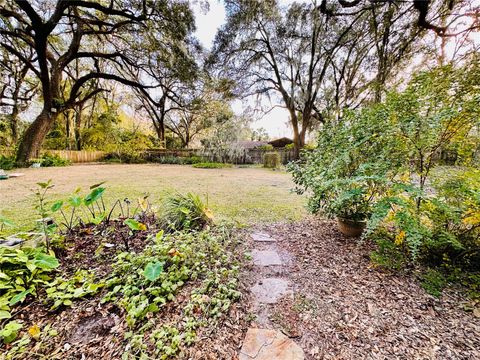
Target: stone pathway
{"type": "Point", "coordinates": [265, 342]}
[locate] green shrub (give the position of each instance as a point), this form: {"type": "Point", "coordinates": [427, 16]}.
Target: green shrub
{"type": "Point", "coordinates": [125, 156]}
{"type": "Point", "coordinates": [51, 160]}
{"type": "Point", "coordinates": [183, 212]}
{"type": "Point", "coordinates": [267, 147]}
{"type": "Point", "coordinates": [443, 227]}
{"type": "Point", "coordinates": [271, 160]}
{"type": "Point", "coordinates": [433, 282]}
{"type": "Point", "coordinates": [211, 165]}
{"type": "Point", "coordinates": [387, 255]}
{"type": "Point", "coordinates": [7, 162]}
{"type": "Point", "coordinates": [192, 160]}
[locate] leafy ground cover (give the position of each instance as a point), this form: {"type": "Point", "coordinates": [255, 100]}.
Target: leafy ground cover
{"type": "Point", "coordinates": [244, 195]}
{"type": "Point", "coordinates": [136, 286]}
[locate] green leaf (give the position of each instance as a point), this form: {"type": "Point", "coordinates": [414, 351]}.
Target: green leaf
{"type": "Point", "coordinates": [6, 222]}
{"type": "Point", "coordinates": [44, 185]}
{"type": "Point", "coordinates": [57, 206]}
{"type": "Point", "coordinates": [75, 201]}
{"type": "Point", "coordinates": [134, 224]}
{"type": "Point", "coordinates": [153, 270]}
{"type": "Point", "coordinates": [95, 195]}
{"type": "Point", "coordinates": [5, 315]}
{"type": "Point", "coordinates": [98, 219]}
{"type": "Point", "coordinates": [19, 297]}
{"type": "Point", "coordinates": [46, 262]}
{"type": "Point", "coordinates": [10, 331]}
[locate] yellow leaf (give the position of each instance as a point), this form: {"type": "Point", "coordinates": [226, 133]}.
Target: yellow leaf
{"type": "Point", "coordinates": [142, 226]}
{"type": "Point", "coordinates": [34, 331]}
{"type": "Point", "coordinates": [400, 237]}
{"type": "Point", "coordinates": [174, 252]}
{"type": "Point", "coordinates": [143, 203]}
{"type": "Point", "coordinates": [208, 214]}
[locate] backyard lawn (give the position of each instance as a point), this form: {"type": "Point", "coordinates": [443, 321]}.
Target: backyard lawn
{"type": "Point", "coordinates": [245, 195]}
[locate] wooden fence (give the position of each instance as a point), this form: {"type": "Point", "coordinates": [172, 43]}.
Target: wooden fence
{"type": "Point", "coordinates": [75, 156]}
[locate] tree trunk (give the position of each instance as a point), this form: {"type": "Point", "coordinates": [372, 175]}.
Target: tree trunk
{"type": "Point", "coordinates": [297, 141]}
{"type": "Point", "coordinates": [14, 124]}
{"type": "Point", "coordinates": [33, 138]}
{"type": "Point", "coordinates": [78, 126]}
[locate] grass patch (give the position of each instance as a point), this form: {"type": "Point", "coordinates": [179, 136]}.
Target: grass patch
{"type": "Point", "coordinates": [211, 165]}
{"type": "Point", "coordinates": [242, 195]}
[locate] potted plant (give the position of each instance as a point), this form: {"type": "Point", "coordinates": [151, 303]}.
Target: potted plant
{"type": "Point", "coordinates": [352, 207]}
{"type": "Point", "coordinates": [349, 200]}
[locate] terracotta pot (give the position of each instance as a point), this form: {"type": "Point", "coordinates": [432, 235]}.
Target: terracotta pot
{"type": "Point", "coordinates": [351, 228]}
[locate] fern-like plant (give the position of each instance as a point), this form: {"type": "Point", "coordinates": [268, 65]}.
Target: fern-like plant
{"type": "Point", "coordinates": [184, 211]}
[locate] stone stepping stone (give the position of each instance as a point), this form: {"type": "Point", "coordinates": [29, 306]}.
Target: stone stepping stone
{"type": "Point", "coordinates": [269, 290]}
{"type": "Point", "coordinates": [262, 237]}
{"type": "Point", "coordinates": [266, 258]}
{"type": "Point", "coordinates": [263, 344]}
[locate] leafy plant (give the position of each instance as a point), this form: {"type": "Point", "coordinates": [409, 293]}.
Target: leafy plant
{"type": "Point", "coordinates": [211, 165]}
{"type": "Point", "coordinates": [185, 211]}
{"type": "Point", "coordinates": [271, 160]}
{"type": "Point", "coordinates": [7, 162]}
{"type": "Point", "coordinates": [10, 331]}
{"type": "Point", "coordinates": [433, 282]}
{"type": "Point", "coordinates": [143, 283]}
{"type": "Point", "coordinates": [4, 222]}
{"type": "Point", "coordinates": [134, 226]}
{"type": "Point", "coordinates": [46, 223]}
{"type": "Point", "coordinates": [22, 273]}
{"type": "Point", "coordinates": [49, 160]}
{"type": "Point", "coordinates": [63, 291]}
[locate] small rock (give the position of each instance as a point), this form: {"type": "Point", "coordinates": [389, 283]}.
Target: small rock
{"type": "Point", "coordinates": [266, 258]}
{"type": "Point", "coordinates": [262, 237]}
{"type": "Point", "coordinates": [269, 290]}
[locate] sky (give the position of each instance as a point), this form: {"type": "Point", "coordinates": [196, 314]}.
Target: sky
{"type": "Point", "coordinates": [275, 121]}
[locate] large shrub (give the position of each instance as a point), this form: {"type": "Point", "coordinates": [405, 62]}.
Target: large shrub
{"type": "Point", "coordinates": [377, 163]}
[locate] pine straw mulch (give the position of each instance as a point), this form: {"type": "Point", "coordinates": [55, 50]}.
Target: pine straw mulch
{"type": "Point", "coordinates": [92, 330]}
{"type": "Point", "coordinates": [343, 308]}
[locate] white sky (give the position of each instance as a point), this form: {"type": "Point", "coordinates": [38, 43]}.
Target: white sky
{"type": "Point", "coordinates": [276, 121]}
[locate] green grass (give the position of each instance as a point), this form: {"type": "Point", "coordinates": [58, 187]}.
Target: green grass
{"type": "Point", "coordinates": [242, 195]}
{"type": "Point", "coordinates": [211, 165]}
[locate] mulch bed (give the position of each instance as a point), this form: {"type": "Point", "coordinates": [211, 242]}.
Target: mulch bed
{"type": "Point", "coordinates": [344, 308]}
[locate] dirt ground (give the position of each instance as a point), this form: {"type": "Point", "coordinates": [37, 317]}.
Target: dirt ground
{"type": "Point", "coordinates": [244, 195]}
{"type": "Point", "coordinates": [342, 307]}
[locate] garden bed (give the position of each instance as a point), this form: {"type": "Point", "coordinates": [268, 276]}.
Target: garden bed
{"type": "Point", "coordinates": [204, 318]}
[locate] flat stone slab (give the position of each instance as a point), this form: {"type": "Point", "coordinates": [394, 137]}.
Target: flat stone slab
{"type": "Point", "coordinates": [266, 257]}
{"type": "Point", "coordinates": [263, 344]}
{"type": "Point", "coordinates": [269, 290]}
{"type": "Point", "coordinates": [262, 237]}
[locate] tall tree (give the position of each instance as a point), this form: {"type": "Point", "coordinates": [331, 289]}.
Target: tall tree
{"type": "Point", "coordinates": [17, 89]}
{"type": "Point", "coordinates": [58, 33]}
{"type": "Point", "coordinates": [286, 52]}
